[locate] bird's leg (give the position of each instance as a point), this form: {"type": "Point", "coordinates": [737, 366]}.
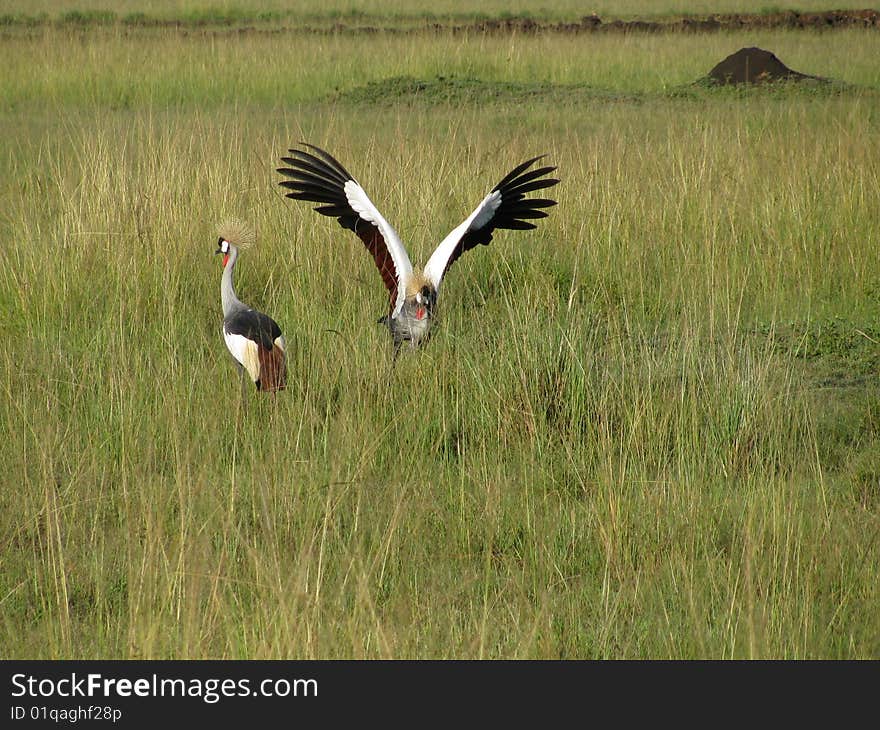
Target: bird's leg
{"type": "Point", "coordinates": [244, 387]}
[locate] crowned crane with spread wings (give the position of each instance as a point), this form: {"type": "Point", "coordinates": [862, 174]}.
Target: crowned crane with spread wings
{"type": "Point", "coordinates": [317, 177]}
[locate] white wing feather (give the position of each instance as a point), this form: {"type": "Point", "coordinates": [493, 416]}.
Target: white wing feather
{"type": "Point", "coordinates": [363, 206]}
{"type": "Point", "coordinates": [483, 213]}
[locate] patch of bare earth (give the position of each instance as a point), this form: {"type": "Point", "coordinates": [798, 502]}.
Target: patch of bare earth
{"type": "Point", "coordinates": [828, 20]}
{"type": "Point", "coordinates": [692, 24]}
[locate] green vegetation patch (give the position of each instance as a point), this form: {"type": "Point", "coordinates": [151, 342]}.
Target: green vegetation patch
{"type": "Point", "coordinates": [838, 349]}
{"type": "Point", "coordinates": [23, 20]}
{"type": "Point", "coordinates": [473, 90]}
{"type": "Point", "coordinates": [839, 370]}
{"type": "Point", "coordinates": [469, 89]}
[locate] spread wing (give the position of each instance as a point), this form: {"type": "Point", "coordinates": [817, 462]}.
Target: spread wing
{"type": "Point", "coordinates": [505, 207]}
{"type": "Point", "coordinates": [319, 178]}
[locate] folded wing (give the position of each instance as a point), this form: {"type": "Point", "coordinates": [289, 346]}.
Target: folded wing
{"type": "Point", "coordinates": [505, 207]}
{"type": "Point", "coordinates": [319, 178]}
{"type": "Point", "coordinates": [256, 342]}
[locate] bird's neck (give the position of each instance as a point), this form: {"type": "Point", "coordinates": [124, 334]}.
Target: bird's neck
{"type": "Point", "coordinates": [227, 287]}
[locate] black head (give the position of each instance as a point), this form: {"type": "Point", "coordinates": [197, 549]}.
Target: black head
{"type": "Point", "coordinates": [426, 296]}
{"type": "Point", "coordinates": [424, 301]}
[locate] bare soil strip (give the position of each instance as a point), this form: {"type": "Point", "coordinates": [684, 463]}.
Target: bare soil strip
{"type": "Point", "coordinates": [827, 20]}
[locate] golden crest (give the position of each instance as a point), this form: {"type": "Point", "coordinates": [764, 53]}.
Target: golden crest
{"type": "Point", "coordinates": [237, 232]}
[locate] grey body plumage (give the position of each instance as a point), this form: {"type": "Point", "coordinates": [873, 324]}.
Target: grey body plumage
{"type": "Point", "coordinates": [253, 339]}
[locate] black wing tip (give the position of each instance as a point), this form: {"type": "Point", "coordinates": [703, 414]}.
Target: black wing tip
{"type": "Point", "coordinates": [526, 176]}
{"type": "Point", "coordinates": [303, 143]}
{"type": "Point", "coordinates": [538, 202]}
{"type": "Point", "coordinates": [515, 191]}
{"type": "Point", "coordinates": [325, 163]}
{"type": "Point", "coordinates": [528, 163]}
{"type": "Point", "coordinates": [521, 173]}
{"type": "Point", "coordinates": [314, 147]}
{"type": "Point", "coordinates": [328, 158]}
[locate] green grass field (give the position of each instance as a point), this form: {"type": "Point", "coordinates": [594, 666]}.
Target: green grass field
{"type": "Point", "coordinates": [649, 429]}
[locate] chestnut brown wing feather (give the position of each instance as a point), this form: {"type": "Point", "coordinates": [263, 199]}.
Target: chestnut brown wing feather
{"type": "Point", "coordinates": [320, 178]}
{"type": "Point", "coordinates": [375, 244]}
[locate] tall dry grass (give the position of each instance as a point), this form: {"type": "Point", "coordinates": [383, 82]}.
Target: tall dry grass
{"type": "Point", "coordinates": [631, 436]}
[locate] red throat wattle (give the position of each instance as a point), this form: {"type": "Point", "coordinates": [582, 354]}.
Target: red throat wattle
{"type": "Point", "coordinates": [225, 259]}
{"type": "Point", "coordinates": [420, 313]}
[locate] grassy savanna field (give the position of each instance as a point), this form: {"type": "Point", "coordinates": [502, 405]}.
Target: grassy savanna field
{"type": "Point", "coordinates": [650, 428]}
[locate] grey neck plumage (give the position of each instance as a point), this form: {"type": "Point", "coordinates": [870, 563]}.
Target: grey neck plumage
{"type": "Point", "coordinates": [227, 288]}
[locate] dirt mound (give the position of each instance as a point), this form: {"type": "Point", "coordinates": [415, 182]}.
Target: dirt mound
{"type": "Point", "coordinates": [753, 66]}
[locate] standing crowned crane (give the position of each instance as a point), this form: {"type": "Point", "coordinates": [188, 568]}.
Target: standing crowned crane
{"type": "Point", "coordinates": [319, 178]}
{"type": "Point", "coordinates": [253, 338]}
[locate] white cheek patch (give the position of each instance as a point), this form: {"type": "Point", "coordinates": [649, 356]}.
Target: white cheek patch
{"type": "Point", "coordinates": [224, 247]}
